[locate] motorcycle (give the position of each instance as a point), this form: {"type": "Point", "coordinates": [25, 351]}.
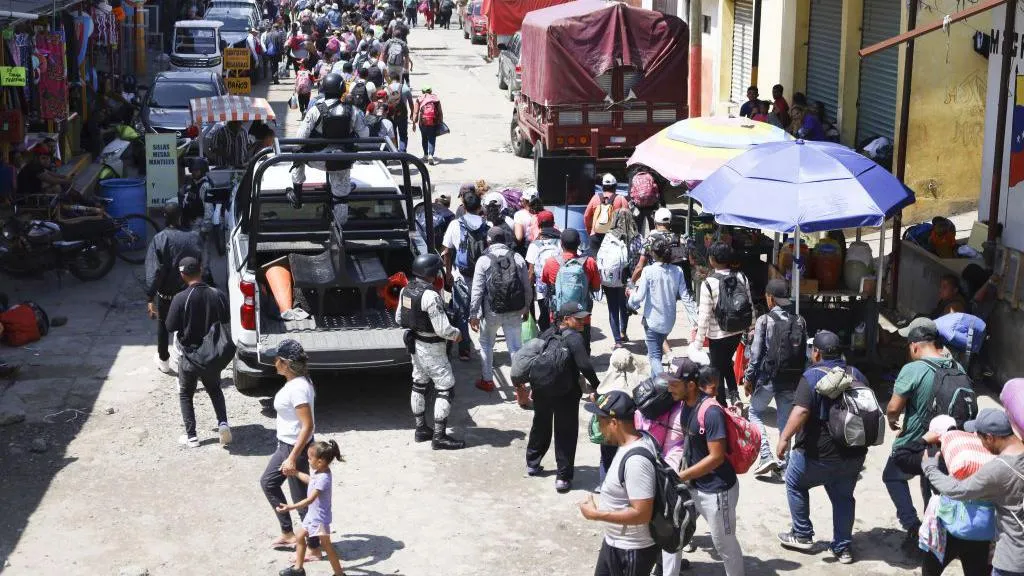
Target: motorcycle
{"type": "Point", "coordinates": [36, 246]}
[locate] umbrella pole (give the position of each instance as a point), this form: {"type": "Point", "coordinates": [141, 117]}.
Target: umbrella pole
{"type": "Point", "coordinates": [881, 259]}
{"type": "Point", "coordinates": [796, 268]}
{"type": "Point", "coordinates": [689, 212]}
{"type": "Point", "coordinates": [775, 250]}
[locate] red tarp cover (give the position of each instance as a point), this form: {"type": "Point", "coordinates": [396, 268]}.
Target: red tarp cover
{"type": "Point", "coordinates": [506, 16]}
{"type": "Point", "coordinates": [566, 47]}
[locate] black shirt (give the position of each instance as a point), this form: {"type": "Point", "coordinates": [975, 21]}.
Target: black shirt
{"type": "Point", "coordinates": [722, 478]}
{"type": "Point", "coordinates": [579, 363]}
{"type": "Point", "coordinates": [28, 179]}
{"type": "Point", "coordinates": [194, 310]}
{"type": "Point", "coordinates": [814, 438]}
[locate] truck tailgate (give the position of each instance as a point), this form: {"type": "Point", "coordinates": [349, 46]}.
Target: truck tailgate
{"type": "Point", "coordinates": [340, 342]}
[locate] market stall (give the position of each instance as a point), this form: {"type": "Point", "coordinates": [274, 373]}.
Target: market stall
{"type": "Point", "coordinates": [206, 113]}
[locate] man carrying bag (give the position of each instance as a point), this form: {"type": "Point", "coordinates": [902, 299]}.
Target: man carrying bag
{"type": "Point", "coordinates": [199, 314]}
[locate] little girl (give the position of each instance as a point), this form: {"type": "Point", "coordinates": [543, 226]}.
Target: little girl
{"type": "Point", "coordinates": [318, 506]}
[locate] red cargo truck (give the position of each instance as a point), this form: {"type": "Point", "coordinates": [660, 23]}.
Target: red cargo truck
{"type": "Point", "coordinates": [598, 78]}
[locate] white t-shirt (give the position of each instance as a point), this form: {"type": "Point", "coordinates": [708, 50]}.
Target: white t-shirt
{"type": "Point", "coordinates": [295, 393]}
{"type": "Point", "coordinates": [453, 237]}
{"type": "Point", "coordinates": [639, 485]}
{"type": "Point", "coordinates": [524, 218]}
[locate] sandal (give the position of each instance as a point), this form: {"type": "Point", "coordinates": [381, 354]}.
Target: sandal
{"type": "Point", "coordinates": [283, 542]}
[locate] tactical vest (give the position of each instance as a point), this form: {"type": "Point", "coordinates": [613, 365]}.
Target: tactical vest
{"type": "Point", "coordinates": [335, 122]}
{"type": "Point", "coordinates": [191, 201]}
{"type": "Point", "coordinates": [412, 315]}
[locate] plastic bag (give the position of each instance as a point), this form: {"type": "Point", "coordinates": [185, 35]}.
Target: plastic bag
{"type": "Point", "coordinates": [293, 102]}
{"type": "Point", "coordinates": [529, 329]}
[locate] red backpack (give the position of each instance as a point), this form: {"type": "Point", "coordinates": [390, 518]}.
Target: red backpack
{"type": "Point", "coordinates": [21, 326]}
{"type": "Point", "coordinates": [743, 438]}
{"type": "Point", "coordinates": [643, 190]}
{"type": "Point", "coordinates": [428, 116]}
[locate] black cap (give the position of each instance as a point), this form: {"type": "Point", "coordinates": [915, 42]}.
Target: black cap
{"type": "Point", "coordinates": [779, 290]}
{"type": "Point", "coordinates": [687, 370]}
{"type": "Point", "coordinates": [189, 266]}
{"type": "Point", "coordinates": [289, 350]}
{"type": "Point", "coordinates": [571, 237]}
{"type": "Point", "coordinates": [615, 404]}
{"type": "Point", "coordinates": [827, 343]}
{"type": "Point", "coordinates": [574, 309]}
{"type": "Point", "coordinates": [498, 235]}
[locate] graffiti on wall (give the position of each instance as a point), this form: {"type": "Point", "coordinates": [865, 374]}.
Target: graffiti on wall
{"type": "Point", "coordinates": [966, 100]}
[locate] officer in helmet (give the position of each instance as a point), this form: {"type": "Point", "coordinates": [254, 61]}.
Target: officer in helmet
{"type": "Point", "coordinates": [421, 312]}
{"type": "Point", "coordinates": [195, 214]}
{"type": "Point", "coordinates": [332, 118]}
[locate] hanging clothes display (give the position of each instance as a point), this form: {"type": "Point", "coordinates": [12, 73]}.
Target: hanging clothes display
{"type": "Point", "coordinates": [50, 71]}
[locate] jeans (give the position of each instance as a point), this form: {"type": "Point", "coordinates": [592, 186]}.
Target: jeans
{"type": "Point", "coordinates": [759, 403]}
{"type": "Point", "coordinates": [511, 323]}
{"type": "Point", "coordinates": [563, 412]}
{"type": "Point", "coordinates": [303, 103]}
{"type": "Point", "coordinates": [998, 572]}
{"type": "Point", "coordinates": [188, 378]}
{"type": "Point", "coordinates": [896, 483]}
{"type": "Point", "coordinates": [618, 316]}
{"type": "Point", "coordinates": [839, 479]}
{"type": "Point", "coordinates": [543, 314]}
{"type": "Point", "coordinates": [163, 337]}
{"type": "Point", "coordinates": [654, 340]}
{"type": "Point", "coordinates": [272, 480]}
{"type": "Point", "coordinates": [613, 561]}
{"type": "Point", "coordinates": [973, 557]}
{"type": "Point", "coordinates": [718, 509]}
{"type": "Point", "coordinates": [402, 128]}
{"type": "Point", "coordinates": [429, 136]}
{"type": "Point", "coordinates": [721, 352]}
{"type": "Point", "coordinates": [460, 300]}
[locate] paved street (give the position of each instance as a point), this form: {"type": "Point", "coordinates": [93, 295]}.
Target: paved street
{"type": "Point", "coordinates": [93, 482]}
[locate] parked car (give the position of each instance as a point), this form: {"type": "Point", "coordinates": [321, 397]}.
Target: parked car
{"type": "Point", "coordinates": [197, 46]}
{"type": "Point", "coordinates": [510, 75]}
{"type": "Point", "coordinates": [165, 105]}
{"type": "Point", "coordinates": [474, 27]}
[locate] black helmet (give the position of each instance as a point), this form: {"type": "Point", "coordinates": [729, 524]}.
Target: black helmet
{"type": "Point", "coordinates": [333, 86]}
{"type": "Point", "coordinates": [426, 266]}
{"type": "Point", "coordinates": [172, 212]}
{"type": "Point", "coordinates": [200, 165]}
{"type": "Point", "coordinates": [652, 397]}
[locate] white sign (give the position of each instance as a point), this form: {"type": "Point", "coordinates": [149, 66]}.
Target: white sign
{"type": "Point", "coordinates": [161, 169]}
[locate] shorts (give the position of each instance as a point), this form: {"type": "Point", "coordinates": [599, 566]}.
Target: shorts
{"type": "Point", "coordinates": [316, 528]}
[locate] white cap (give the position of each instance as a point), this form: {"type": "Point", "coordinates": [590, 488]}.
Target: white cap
{"type": "Point", "coordinates": [530, 193]}
{"type": "Point", "coordinates": [494, 198]}
{"type": "Point", "coordinates": [609, 180]}
{"type": "Point", "coordinates": [662, 216]}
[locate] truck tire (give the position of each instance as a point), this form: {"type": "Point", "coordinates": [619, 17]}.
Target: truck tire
{"type": "Point", "coordinates": [520, 140]}
{"type": "Point", "coordinates": [253, 385]}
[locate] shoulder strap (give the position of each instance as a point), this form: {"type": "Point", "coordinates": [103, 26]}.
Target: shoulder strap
{"type": "Point", "coordinates": [702, 410]}
{"type": "Point", "coordinates": [637, 450]}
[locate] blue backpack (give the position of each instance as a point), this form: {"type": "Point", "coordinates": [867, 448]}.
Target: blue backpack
{"type": "Point", "coordinates": [471, 247]}
{"type": "Point", "coordinates": [571, 284]}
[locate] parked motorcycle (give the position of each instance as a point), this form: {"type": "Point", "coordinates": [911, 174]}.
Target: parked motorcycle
{"type": "Point", "coordinates": [36, 246]}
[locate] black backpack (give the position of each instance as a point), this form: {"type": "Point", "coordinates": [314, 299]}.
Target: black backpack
{"type": "Point", "coordinates": [733, 310]}
{"type": "Point", "coordinates": [547, 366]}
{"type": "Point", "coordinates": [674, 518]}
{"type": "Point", "coordinates": [359, 97]}
{"type": "Point", "coordinates": [792, 342]}
{"type": "Point", "coordinates": [375, 75]}
{"type": "Point", "coordinates": [953, 394]}
{"type": "Point", "coordinates": [471, 248]}
{"type": "Point", "coordinates": [505, 290]}
{"type": "Point", "coordinates": [652, 398]}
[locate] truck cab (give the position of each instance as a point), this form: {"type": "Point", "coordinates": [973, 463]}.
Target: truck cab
{"type": "Point", "coordinates": [339, 273]}
{"type": "Point", "coordinates": [197, 46]}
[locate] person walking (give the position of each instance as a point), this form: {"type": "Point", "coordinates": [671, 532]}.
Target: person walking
{"type": "Point", "coordinates": [423, 316]}
{"type": "Point", "coordinates": [428, 116]}
{"type": "Point", "coordinates": [464, 240]}
{"type": "Point", "coordinates": [545, 246]}
{"type": "Point", "coordinates": [660, 285]}
{"type": "Point", "coordinates": [294, 424]}
{"type": "Point", "coordinates": [599, 214]}
{"type": "Point", "coordinates": [626, 503]}
{"type": "Point", "coordinates": [401, 111]}
{"type": "Point", "coordinates": [662, 220]}
{"type": "Point", "coordinates": [499, 298]}
{"type": "Point", "coordinates": [714, 310]}
{"type": "Point", "coordinates": [191, 314]}
{"type": "Point", "coordinates": [317, 504]}
{"type": "Point", "coordinates": [912, 397]}
{"type": "Point", "coordinates": [777, 358]}
{"type": "Point", "coordinates": [706, 468]}
{"type": "Point", "coordinates": [570, 278]}
{"type": "Point", "coordinates": [163, 279]}
{"type": "Point", "coordinates": [557, 403]}
{"type": "Point", "coordinates": [817, 459]}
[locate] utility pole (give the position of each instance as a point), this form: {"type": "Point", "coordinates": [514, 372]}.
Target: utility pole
{"type": "Point", "coordinates": [1006, 51]}
{"type": "Point", "coordinates": [901, 150]}
{"type": "Point", "coordinates": [696, 22]}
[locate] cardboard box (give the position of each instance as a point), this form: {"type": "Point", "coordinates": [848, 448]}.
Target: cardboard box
{"type": "Point", "coordinates": [808, 286]}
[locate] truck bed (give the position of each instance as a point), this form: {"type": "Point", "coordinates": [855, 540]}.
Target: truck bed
{"type": "Point", "coordinates": [370, 339]}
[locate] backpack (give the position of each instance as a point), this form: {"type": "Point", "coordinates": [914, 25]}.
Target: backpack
{"type": "Point", "coordinates": [792, 343]}
{"type": "Point", "coordinates": [603, 216]}
{"type": "Point", "coordinates": [855, 419]}
{"type": "Point", "coordinates": [952, 394]}
{"type": "Point", "coordinates": [375, 75]}
{"type": "Point", "coordinates": [643, 190]}
{"type": "Point", "coordinates": [743, 439]}
{"type": "Point", "coordinates": [428, 115]}
{"type": "Point", "coordinates": [359, 97]}
{"type": "Point", "coordinates": [652, 398]}
{"type": "Point", "coordinates": [471, 247]}
{"type": "Point", "coordinates": [733, 310]}
{"type": "Point", "coordinates": [272, 47]}
{"type": "Point", "coordinates": [571, 284]}
{"type": "Point", "coordinates": [304, 82]}
{"type": "Point", "coordinates": [21, 326]}
{"type": "Point", "coordinates": [547, 248]}
{"type": "Point", "coordinates": [674, 518]}
{"type": "Point", "coordinates": [550, 362]}
{"type": "Point", "coordinates": [350, 42]}
{"type": "Point", "coordinates": [611, 261]}
{"type": "Point", "coordinates": [523, 359]}
{"type": "Point", "coordinates": [505, 290]}
{"type": "Point", "coordinates": [396, 53]}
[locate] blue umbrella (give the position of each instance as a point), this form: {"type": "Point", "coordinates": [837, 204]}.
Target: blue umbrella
{"type": "Point", "coordinates": [801, 185]}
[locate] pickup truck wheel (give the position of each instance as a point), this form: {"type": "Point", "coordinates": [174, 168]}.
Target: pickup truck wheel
{"type": "Point", "coordinates": [502, 85]}
{"type": "Point", "coordinates": [520, 140]}
{"type": "Point", "coordinates": [251, 385]}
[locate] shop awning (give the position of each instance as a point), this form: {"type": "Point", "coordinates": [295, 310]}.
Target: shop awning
{"type": "Point", "coordinates": [230, 108]}
{"type": "Point", "coordinates": [15, 9]}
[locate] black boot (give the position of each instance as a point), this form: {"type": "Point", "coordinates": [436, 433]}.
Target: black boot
{"type": "Point", "coordinates": [442, 441]}
{"type": "Point", "coordinates": [424, 433]}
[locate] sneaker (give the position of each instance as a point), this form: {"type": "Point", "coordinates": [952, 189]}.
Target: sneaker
{"type": "Point", "coordinates": [562, 486]}
{"type": "Point", "coordinates": [844, 557]}
{"type": "Point", "coordinates": [534, 471]}
{"type": "Point", "coordinates": [292, 571]}
{"type": "Point", "coordinates": [794, 542]}
{"type": "Point", "coordinates": [225, 433]}
{"type": "Point", "coordinates": [765, 465]}
{"type": "Point", "coordinates": [910, 539]}
{"type": "Point", "coordinates": [485, 385]}
{"type": "Point", "coordinates": [294, 314]}
{"type": "Point", "coordinates": [163, 365]}
{"type": "Point", "coordinates": [188, 442]}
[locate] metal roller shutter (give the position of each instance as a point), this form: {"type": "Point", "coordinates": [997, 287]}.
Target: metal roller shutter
{"type": "Point", "coordinates": [876, 100]}
{"type": "Point", "coordinates": [823, 54]}
{"type": "Point", "coordinates": [742, 49]}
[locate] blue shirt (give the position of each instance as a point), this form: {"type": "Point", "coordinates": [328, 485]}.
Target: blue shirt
{"type": "Point", "coordinates": [723, 478]}
{"type": "Point", "coordinates": [659, 286]}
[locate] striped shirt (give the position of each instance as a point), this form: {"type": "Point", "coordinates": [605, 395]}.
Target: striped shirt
{"type": "Point", "coordinates": [707, 324]}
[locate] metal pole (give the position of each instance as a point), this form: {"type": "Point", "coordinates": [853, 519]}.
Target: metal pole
{"type": "Point", "coordinates": [775, 249]}
{"type": "Point", "coordinates": [796, 268]}
{"type": "Point", "coordinates": [696, 23]}
{"type": "Point", "coordinates": [997, 159]}
{"type": "Point", "coordinates": [881, 264]}
{"type": "Point", "coordinates": [755, 50]}
{"type": "Point", "coordinates": [901, 149]}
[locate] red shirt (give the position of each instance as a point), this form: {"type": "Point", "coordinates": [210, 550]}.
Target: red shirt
{"type": "Point", "coordinates": [618, 203]}
{"type": "Point", "coordinates": [550, 273]}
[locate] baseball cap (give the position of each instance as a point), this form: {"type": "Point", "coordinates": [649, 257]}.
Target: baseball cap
{"type": "Point", "coordinates": [545, 219]}
{"type": "Point", "coordinates": [941, 424]}
{"type": "Point", "coordinates": [530, 193]}
{"type": "Point", "coordinates": [571, 236]}
{"type": "Point", "coordinates": [288, 350]}
{"type": "Point", "coordinates": [574, 309]}
{"type": "Point", "coordinates": [827, 342]}
{"type": "Point", "coordinates": [426, 89]}
{"type": "Point", "coordinates": [497, 235]}
{"type": "Point", "coordinates": [467, 187]}
{"type": "Point", "coordinates": [494, 198]}
{"type": "Point", "coordinates": [609, 180]}
{"type": "Point", "coordinates": [920, 330]}
{"type": "Point", "coordinates": [615, 404]}
{"type": "Point", "coordinates": [778, 288]}
{"type": "Point", "coordinates": [188, 265]}
{"type": "Point", "coordinates": [990, 421]}
{"type": "Point", "coordinates": [686, 369]}
{"type": "Point", "coordinates": [662, 216]}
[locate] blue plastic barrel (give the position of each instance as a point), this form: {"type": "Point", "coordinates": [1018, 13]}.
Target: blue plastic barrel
{"type": "Point", "coordinates": [128, 196]}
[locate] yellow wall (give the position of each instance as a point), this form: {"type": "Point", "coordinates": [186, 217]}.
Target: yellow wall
{"type": "Point", "coordinates": [849, 72]}
{"type": "Point", "coordinates": [947, 116]}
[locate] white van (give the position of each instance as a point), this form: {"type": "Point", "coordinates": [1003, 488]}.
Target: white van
{"type": "Point", "coordinates": [197, 46]}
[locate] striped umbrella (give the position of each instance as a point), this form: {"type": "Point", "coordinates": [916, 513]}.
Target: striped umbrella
{"type": "Point", "coordinates": [691, 149]}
